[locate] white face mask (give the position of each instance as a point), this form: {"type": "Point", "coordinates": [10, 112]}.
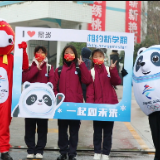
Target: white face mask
{"type": "Point", "coordinates": [5, 39]}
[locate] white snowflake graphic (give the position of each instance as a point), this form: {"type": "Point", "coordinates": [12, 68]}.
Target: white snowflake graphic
{"type": "Point", "coordinates": [123, 108]}
{"type": "Point", "coordinates": [59, 110]}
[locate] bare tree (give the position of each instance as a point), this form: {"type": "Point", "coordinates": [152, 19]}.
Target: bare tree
{"type": "Point", "coordinates": [151, 17]}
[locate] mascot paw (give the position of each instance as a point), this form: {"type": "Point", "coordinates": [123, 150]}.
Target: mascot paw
{"type": "Point", "coordinates": [124, 72]}
{"type": "Point", "coordinates": [23, 45]}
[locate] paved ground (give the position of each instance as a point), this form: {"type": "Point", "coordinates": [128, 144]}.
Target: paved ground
{"type": "Point", "coordinates": [50, 155]}
{"type": "Point", "coordinates": [133, 136]}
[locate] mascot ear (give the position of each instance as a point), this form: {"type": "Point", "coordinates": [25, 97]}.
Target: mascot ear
{"type": "Point", "coordinates": [59, 98]}
{"type": "Point", "coordinates": [141, 50]}
{"type": "Point", "coordinates": [26, 85]}
{"type": "Point", "coordinates": [50, 84]}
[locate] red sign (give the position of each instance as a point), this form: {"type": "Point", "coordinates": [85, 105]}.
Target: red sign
{"type": "Point", "coordinates": [133, 19]}
{"type": "Point", "coordinates": [98, 16]}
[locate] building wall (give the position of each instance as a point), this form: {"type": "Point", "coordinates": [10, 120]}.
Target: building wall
{"type": "Point", "coordinates": [115, 20]}
{"type": "Point", "coordinates": [67, 15]}
{"type": "Point", "coordinates": [32, 10]}
{"type": "Point", "coordinates": [52, 55]}
{"type": "Point", "coordinates": [115, 16]}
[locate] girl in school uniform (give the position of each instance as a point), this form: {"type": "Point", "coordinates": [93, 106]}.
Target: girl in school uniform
{"type": "Point", "coordinates": [40, 71]}
{"type": "Point", "coordinates": [102, 91]}
{"type": "Point", "coordinates": [68, 79]}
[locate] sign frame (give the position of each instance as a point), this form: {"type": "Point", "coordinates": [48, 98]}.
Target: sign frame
{"type": "Point", "coordinates": [80, 111]}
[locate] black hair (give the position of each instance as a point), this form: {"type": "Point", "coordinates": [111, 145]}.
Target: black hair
{"type": "Point", "coordinates": [94, 51]}
{"type": "Point", "coordinates": [74, 51]}
{"type": "Point", "coordinates": [114, 51]}
{"type": "Point", "coordinates": [97, 50]}
{"type": "Point", "coordinates": [40, 47]}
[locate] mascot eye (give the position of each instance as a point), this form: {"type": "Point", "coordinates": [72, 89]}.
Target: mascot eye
{"type": "Point", "coordinates": [10, 40]}
{"type": "Point", "coordinates": [138, 63]}
{"type": "Point", "coordinates": [31, 99]}
{"type": "Point", "coordinates": [47, 100]}
{"type": "Point", "coordinates": [155, 58]}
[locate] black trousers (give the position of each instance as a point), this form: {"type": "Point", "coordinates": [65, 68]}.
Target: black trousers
{"type": "Point", "coordinates": [68, 145]}
{"type": "Point", "coordinates": [30, 129]}
{"type": "Point", "coordinates": [84, 91]}
{"type": "Point", "coordinates": [107, 128]}
{"type": "Point", "coordinates": [154, 121]}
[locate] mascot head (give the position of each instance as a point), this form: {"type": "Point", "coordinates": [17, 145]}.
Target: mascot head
{"type": "Point", "coordinates": [147, 62]}
{"type": "Point", "coordinates": [146, 79]}
{"type": "Point", "coordinates": [38, 100]}
{"type": "Point", "coordinates": [6, 38]}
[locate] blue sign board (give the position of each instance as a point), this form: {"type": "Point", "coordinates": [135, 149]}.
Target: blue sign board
{"type": "Point", "coordinates": [81, 111]}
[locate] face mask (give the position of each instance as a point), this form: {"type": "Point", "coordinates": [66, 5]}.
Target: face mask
{"type": "Point", "coordinates": [98, 61]}
{"type": "Point", "coordinates": [39, 57]}
{"type": "Point", "coordinates": [69, 57]}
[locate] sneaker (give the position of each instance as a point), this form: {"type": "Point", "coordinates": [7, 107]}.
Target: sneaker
{"type": "Point", "coordinates": [105, 157]}
{"type": "Point", "coordinates": [72, 158]}
{"type": "Point", "coordinates": [30, 156]}
{"type": "Point", "coordinates": [39, 155]}
{"type": "Point", "coordinates": [6, 156]}
{"type": "Point", "coordinates": [97, 156]}
{"type": "Point", "coordinates": [62, 157]}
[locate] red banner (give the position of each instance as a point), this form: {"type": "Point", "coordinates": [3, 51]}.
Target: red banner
{"type": "Point", "coordinates": [98, 16]}
{"type": "Point", "coordinates": [133, 19]}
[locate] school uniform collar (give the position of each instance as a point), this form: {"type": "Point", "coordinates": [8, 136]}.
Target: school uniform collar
{"type": "Point", "coordinates": [99, 69]}
{"type": "Point", "coordinates": [72, 64]}
{"type": "Point", "coordinates": [96, 66]}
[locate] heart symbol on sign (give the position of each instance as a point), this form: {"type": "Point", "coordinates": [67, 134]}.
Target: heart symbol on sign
{"type": "Point", "coordinates": [31, 33]}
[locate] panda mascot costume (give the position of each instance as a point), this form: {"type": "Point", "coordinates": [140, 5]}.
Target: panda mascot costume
{"type": "Point", "coordinates": [6, 76]}
{"type": "Point", "coordinates": [146, 85]}
{"type": "Point", "coordinates": [38, 100]}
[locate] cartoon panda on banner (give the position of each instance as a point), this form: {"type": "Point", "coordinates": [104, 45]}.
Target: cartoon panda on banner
{"type": "Point", "coordinates": [38, 100]}
{"type": "Point", "coordinates": [146, 79]}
